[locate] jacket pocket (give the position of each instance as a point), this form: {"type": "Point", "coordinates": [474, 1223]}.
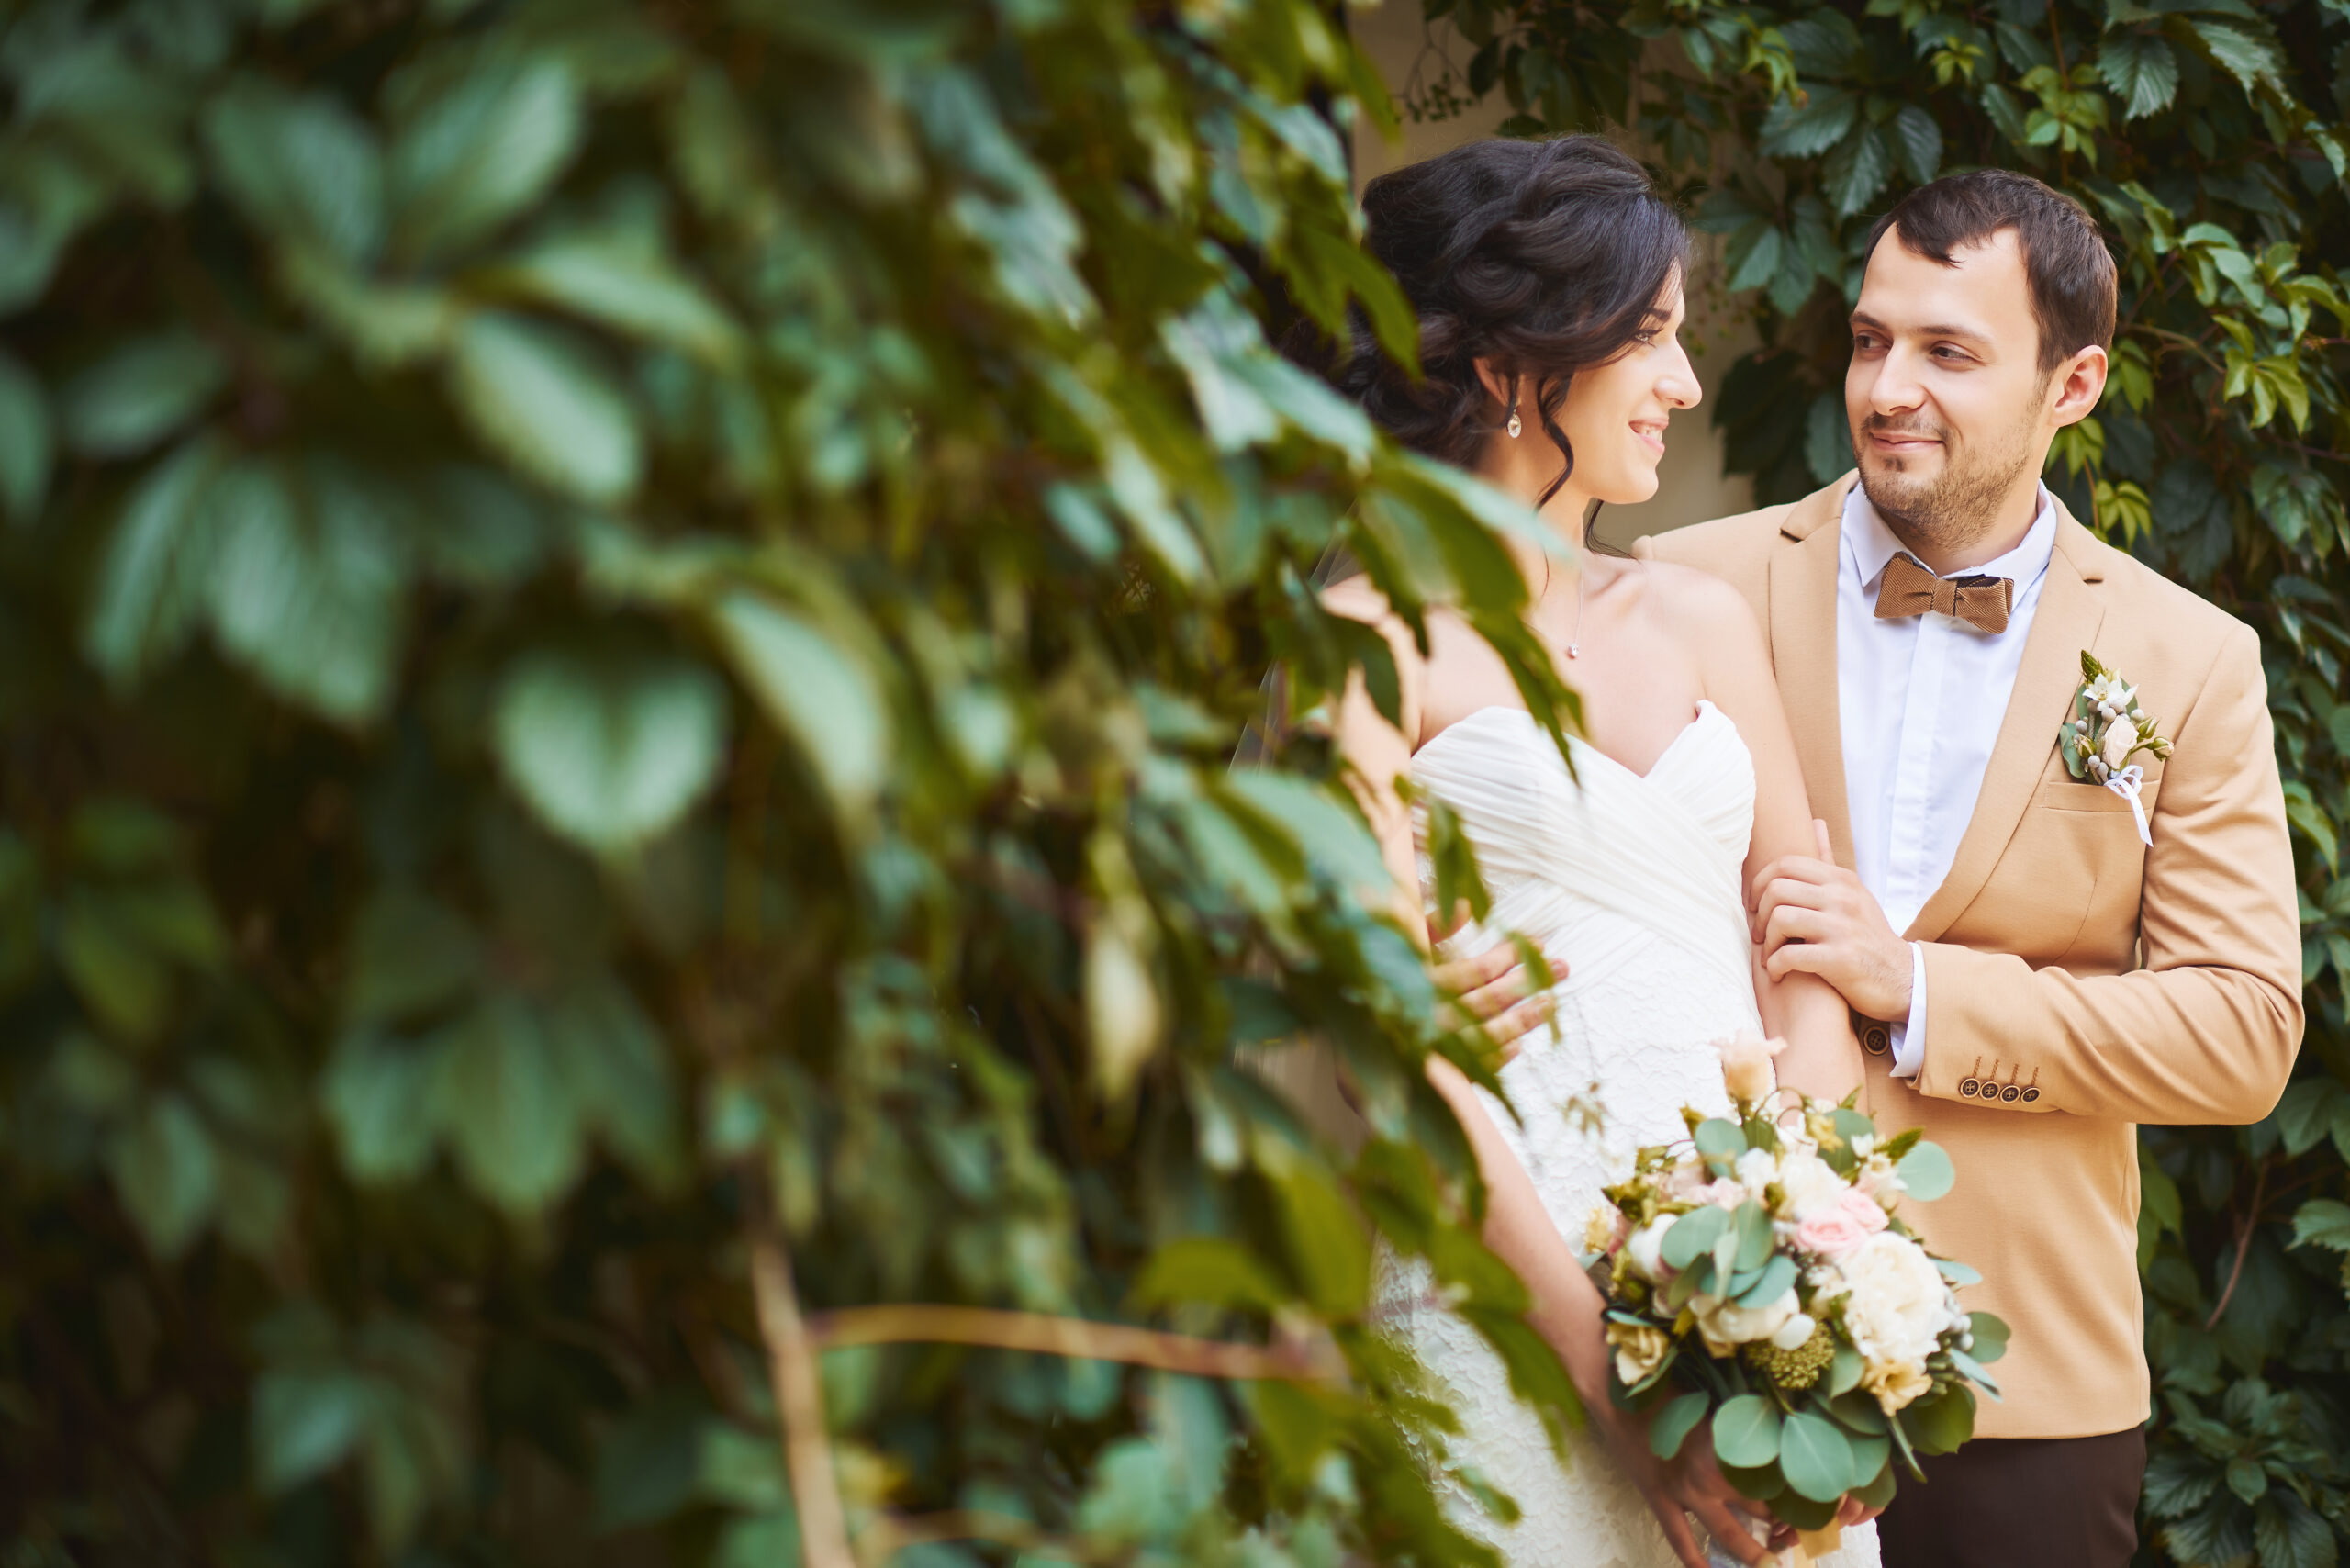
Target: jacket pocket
{"type": "Point", "coordinates": [2071, 797]}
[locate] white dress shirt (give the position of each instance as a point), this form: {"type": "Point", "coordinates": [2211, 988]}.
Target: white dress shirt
{"type": "Point", "coordinates": [1920, 700]}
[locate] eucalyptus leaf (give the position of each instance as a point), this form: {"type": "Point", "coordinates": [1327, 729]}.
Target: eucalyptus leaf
{"type": "Point", "coordinates": [1720, 1138]}
{"type": "Point", "coordinates": [1926, 1173]}
{"type": "Point", "coordinates": [1817, 1458]}
{"type": "Point", "coordinates": [1747, 1431]}
{"type": "Point", "coordinates": [1990, 1336]}
{"type": "Point", "coordinates": [1777, 1277]}
{"type": "Point", "coordinates": [1671, 1425]}
{"type": "Point", "coordinates": [1693, 1235]}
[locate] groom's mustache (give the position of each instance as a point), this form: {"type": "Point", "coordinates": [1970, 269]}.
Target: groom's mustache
{"type": "Point", "coordinates": [1905, 429]}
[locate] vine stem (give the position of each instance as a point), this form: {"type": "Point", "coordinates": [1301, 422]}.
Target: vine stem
{"type": "Point", "coordinates": [799, 1398]}
{"type": "Point", "coordinates": [1074, 1337]}
{"type": "Point", "coordinates": [2243, 1244]}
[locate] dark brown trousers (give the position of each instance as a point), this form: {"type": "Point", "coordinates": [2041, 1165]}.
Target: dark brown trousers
{"type": "Point", "coordinates": [2020, 1503]}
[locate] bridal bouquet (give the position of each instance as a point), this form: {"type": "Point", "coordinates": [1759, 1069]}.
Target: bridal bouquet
{"type": "Point", "coordinates": [1760, 1273]}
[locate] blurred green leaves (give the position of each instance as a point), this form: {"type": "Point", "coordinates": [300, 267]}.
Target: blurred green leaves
{"type": "Point", "coordinates": [615, 619]}
{"type": "Point", "coordinates": [611, 750]}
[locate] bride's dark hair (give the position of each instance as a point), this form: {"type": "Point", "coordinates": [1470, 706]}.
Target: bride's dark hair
{"type": "Point", "coordinates": [1546, 257]}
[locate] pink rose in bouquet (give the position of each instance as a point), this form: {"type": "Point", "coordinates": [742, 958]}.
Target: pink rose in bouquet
{"type": "Point", "coordinates": [1831, 1233]}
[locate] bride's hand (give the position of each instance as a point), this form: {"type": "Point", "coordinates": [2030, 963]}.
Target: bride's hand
{"type": "Point", "coordinates": [1691, 1482]}
{"type": "Point", "coordinates": [1497, 990]}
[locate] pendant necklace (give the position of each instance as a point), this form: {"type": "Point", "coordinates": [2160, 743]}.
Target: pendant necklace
{"type": "Point", "coordinates": [1574, 638]}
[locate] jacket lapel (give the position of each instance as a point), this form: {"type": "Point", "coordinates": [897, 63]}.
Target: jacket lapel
{"type": "Point", "coordinates": [2071, 609]}
{"type": "Point", "coordinates": [1803, 651]}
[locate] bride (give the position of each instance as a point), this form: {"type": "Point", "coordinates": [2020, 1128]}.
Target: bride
{"type": "Point", "coordinates": [1547, 277]}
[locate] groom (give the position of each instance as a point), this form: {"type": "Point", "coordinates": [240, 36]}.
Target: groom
{"type": "Point", "coordinates": [2030, 977]}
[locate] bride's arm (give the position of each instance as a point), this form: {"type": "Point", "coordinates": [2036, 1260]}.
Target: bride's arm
{"type": "Point", "coordinates": [1822, 1058]}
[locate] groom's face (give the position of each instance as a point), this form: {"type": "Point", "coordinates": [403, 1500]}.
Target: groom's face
{"type": "Point", "coordinates": [1948, 404]}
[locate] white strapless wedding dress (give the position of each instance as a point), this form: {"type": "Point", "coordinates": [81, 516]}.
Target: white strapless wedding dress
{"type": "Point", "coordinates": [1635, 880]}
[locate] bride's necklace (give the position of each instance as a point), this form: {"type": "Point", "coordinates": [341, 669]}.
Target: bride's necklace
{"type": "Point", "coordinates": [1582, 579]}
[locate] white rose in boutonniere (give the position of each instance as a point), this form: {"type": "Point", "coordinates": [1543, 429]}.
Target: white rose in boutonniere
{"type": "Point", "coordinates": [2107, 729]}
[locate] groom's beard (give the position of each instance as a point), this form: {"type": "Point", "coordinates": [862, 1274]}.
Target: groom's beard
{"type": "Point", "coordinates": [1949, 510]}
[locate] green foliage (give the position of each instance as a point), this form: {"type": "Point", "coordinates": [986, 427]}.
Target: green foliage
{"type": "Point", "coordinates": [622, 630]}
{"type": "Point", "coordinates": [2210, 138]}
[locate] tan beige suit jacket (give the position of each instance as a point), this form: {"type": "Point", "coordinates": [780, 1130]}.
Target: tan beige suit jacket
{"type": "Point", "coordinates": [2090, 982]}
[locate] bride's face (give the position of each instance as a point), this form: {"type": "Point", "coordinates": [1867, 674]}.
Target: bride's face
{"type": "Point", "coordinates": [1614, 416]}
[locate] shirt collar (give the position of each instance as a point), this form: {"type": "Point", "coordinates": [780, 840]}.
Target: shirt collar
{"type": "Point", "coordinates": [1869, 544]}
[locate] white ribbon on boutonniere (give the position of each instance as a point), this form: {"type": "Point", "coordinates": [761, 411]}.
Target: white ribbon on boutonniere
{"type": "Point", "coordinates": [2107, 729]}
{"type": "Point", "coordinates": [2125, 784]}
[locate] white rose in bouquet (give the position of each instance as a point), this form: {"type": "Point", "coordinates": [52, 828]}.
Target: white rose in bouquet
{"type": "Point", "coordinates": [1810, 1183]}
{"type": "Point", "coordinates": [1896, 1307]}
{"type": "Point", "coordinates": [2120, 741]}
{"type": "Point", "coordinates": [1725, 1324]}
{"type": "Point", "coordinates": [1639, 1349]}
{"type": "Point", "coordinates": [1646, 1250]}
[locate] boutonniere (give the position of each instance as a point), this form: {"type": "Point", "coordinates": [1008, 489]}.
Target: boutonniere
{"type": "Point", "coordinates": [2107, 729]}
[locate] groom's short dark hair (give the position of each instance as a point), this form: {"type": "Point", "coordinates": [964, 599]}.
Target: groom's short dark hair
{"type": "Point", "coordinates": [2070, 271]}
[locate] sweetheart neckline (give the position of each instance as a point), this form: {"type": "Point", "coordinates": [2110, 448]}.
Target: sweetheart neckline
{"type": "Point", "coordinates": [1704, 706]}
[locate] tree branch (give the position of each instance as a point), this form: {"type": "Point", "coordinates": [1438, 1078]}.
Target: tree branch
{"type": "Point", "coordinates": [1074, 1337]}
{"type": "Point", "coordinates": [2244, 1245]}
{"type": "Point", "coordinates": [799, 1395]}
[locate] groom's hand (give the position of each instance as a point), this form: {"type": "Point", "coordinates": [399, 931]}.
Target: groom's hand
{"type": "Point", "coordinates": [1811, 916]}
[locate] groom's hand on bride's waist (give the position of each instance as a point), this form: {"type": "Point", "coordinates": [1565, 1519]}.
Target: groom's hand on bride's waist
{"type": "Point", "coordinates": [1812, 916]}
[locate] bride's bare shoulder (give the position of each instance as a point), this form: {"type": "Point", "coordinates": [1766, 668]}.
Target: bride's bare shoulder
{"type": "Point", "coordinates": [1702, 611]}
{"type": "Point", "coordinates": [1693, 597]}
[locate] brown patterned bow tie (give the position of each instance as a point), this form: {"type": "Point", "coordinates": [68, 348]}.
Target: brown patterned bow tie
{"type": "Point", "coordinates": [1908, 588]}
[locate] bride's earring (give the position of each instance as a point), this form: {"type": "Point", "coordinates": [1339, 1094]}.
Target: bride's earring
{"type": "Point", "coordinates": [1515, 425]}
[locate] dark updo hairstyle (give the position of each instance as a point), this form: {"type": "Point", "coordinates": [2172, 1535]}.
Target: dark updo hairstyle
{"type": "Point", "coordinates": [1546, 257]}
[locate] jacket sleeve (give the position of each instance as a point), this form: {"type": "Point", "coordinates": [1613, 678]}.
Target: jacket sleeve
{"type": "Point", "coordinates": [2207, 1029]}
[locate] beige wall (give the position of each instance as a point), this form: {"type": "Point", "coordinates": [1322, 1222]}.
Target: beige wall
{"type": "Point", "coordinates": [1691, 487]}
